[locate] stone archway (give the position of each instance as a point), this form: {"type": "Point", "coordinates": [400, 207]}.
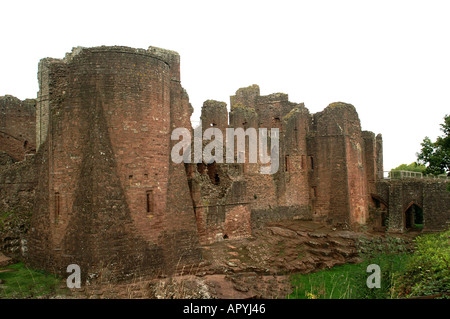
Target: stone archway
{"type": "Point", "coordinates": [413, 217]}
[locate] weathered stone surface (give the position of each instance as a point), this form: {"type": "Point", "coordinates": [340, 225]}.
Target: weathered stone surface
{"type": "Point", "coordinates": [396, 197]}
{"type": "Point", "coordinates": [17, 127]}
{"type": "Point", "coordinates": [283, 232]}
{"type": "Point", "coordinates": [108, 194]}
{"type": "Point", "coordinates": [4, 260]}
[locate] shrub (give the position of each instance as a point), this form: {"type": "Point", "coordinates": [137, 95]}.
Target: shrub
{"type": "Point", "coordinates": [428, 270]}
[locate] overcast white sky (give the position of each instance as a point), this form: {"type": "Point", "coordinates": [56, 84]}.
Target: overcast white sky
{"type": "Point", "coordinates": [390, 59]}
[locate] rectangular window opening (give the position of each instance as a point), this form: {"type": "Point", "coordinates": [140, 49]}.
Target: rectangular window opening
{"type": "Point", "coordinates": [150, 201]}
{"type": "Point", "coordinates": [286, 163]}
{"type": "Point", "coordinates": [57, 206]}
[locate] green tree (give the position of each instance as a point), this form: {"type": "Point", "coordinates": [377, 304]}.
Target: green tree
{"type": "Point", "coordinates": [436, 155]}
{"type": "Point", "coordinates": [413, 167]}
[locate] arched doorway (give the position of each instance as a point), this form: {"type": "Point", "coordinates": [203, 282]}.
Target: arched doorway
{"type": "Point", "coordinates": [413, 217]}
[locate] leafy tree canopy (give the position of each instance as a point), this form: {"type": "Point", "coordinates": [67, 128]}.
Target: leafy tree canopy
{"type": "Point", "coordinates": [413, 167]}
{"type": "Point", "coordinates": [436, 155]}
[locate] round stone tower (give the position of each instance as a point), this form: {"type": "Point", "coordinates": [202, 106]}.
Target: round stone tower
{"type": "Point", "coordinates": [105, 115]}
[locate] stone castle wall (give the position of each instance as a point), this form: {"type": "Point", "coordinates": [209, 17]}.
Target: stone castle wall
{"type": "Point", "coordinates": [17, 127]}
{"type": "Point", "coordinates": [102, 191]}
{"type": "Point", "coordinates": [323, 172]}
{"type": "Point", "coordinates": [107, 183]}
{"type": "Point", "coordinates": [429, 195]}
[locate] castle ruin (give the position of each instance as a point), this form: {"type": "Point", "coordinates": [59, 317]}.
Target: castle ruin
{"type": "Point", "coordinates": [104, 193]}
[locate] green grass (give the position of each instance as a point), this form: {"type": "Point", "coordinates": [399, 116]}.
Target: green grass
{"type": "Point", "coordinates": [349, 281]}
{"type": "Point", "coordinates": [423, 271]}
{"type": "Point", "coordinates": [24, 282]}
{"type": "Point", "coordinates": [428, 270]}
{"type": "Point", "coordinates": [333, 283]}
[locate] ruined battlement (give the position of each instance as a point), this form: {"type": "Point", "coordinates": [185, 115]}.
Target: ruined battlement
{"type": "Point", "coordinates": [274, 97]}
{"type": "Point", "coordinates": [250, 97]}
{"type": "Point", "coordinates": [245, 96]}
{"type": "Point", "coordinates": [99, 68]}
{"type": "Point", "coordinates": [172, 58]}
{"type": "Point", "coordinates": [214, 114]}
{"type": "Point", "coordinates": [17, 127]}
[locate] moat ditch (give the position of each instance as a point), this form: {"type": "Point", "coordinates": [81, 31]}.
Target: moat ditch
{"type": "Point", "coordinates": [261, 266]}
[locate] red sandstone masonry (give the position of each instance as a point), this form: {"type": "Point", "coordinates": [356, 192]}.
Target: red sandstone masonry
{"type": "Point", "coordinates": [17, 127]}
{"type": "Point", "coordinates": [107, 122]}
{"type": "Point", "coordinates": [108, 195]}
{"type": "Point", "coordinates": [322, 172]}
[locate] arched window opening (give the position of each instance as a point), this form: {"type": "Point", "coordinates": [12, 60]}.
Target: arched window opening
{"type": "Point", "coordinates": [57, 206]}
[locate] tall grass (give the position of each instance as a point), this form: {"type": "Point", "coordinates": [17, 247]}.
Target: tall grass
{"type": "Point", "coordinates": [349, 281]}
{"type": "Point", "coordinates": [423, 271]}
{"type": "Point", "coordinates": [333, 283]}
{"type": "Point", "coordinates": [428, 271]}
{"type": "Point", "coordinates": [23, 282]}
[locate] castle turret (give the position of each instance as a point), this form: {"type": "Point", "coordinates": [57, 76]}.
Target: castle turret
{"type": "Point", "coordinates": [338, 176]}
{"type": "Point", "coordinates": [106, 115]}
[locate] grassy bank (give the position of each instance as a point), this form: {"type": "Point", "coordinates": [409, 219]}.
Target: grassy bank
{"type": "Point", "coordinates": [404, 273]}
{"type": "Point", "coordinates": [19, 281]}
{"type": "Point", "coordinates": [349, 281]}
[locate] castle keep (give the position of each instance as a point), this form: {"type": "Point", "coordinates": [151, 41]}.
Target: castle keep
{"type": "Point", "coordinates": [104, 193]}
{"type": "Point", "coordinates": [324, 174]}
